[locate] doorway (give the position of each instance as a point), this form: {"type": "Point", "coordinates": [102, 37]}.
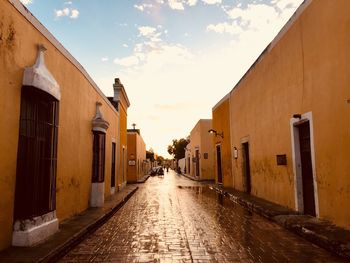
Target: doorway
{"type": "Point", "coordinates": [218, 163]}
{"type": "Point", "coordinates": [246, 168]}
{"type": "Point", "coordinates": [197, 163]}
{"type": "Point", "coordinates": [306, 169]}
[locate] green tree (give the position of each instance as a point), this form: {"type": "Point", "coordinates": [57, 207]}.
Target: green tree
{"type": "Point", "coordinates": [177, 148]}
{"type": "Point", "coordinates": [160, 160]}
{"type": "Point", "coordinates": [150, 155]}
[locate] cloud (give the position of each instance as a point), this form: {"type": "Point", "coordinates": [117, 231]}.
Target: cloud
{"type": "Point", "coordinates": [125, 45]}
{"type": "Point", "coordinates": [226, 27]}
{"type": "Point", "coordinates": [143, 7]}
{"type": "Point", "coordinates": [212, 2]}
{"type": "Point", "coordinates": [68, 3]}
{"type": "Point", "coordinates": [69, 12]}
{"type": "Point", "coordinates": [74, 13]}
{"type": "Point", "coordinates": [176, 4]}
{"type": "Point", "coordinates": [104, 59]}
{"type": "Point", "coordinates": [127, 61]}
{"type": "Point", "coordinates": [63, 12]}
{"type": "Point", "coordinates": [255, 17]}
{"type": "Point", "coordinates": [192, 2]}
{"type": "Point", "coordinates": [26, 2]}
{"type": "Point", "coordinates": [146, 31]}
{"type": "Point", "coordinates": [153, 52]}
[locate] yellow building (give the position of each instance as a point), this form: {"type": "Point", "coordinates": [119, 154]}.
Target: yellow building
{"type": "Point", "coordinates": [121, 102]}
{"type": "Point", "coordinates": [289, 116]}
{"type": "Point", "coordinates": [199, 154]}
{"type": "Point", "coordinates": [222, 142]}
{"type": "Point", "coordinates": [137, 166]}
{"type": "Point", "coordinates": [59, 134]}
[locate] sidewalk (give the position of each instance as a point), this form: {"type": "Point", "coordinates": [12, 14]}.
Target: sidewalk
{"type": "Point", "coordinates": [197, 179]}
{"type": "Point", "coordinates": [319, 232]}
{"type": "Point", "coordinates": [71, 232]}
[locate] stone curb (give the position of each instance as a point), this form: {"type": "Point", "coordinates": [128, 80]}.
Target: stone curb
{"type": "Point", "coordinates": [63, 249]}
{"type": "Point", "coordinates": [302, 225]}
{"type": "Point", "coordinates": [143, 180]}
{"type": "Point", "coordinates": [195, 179]}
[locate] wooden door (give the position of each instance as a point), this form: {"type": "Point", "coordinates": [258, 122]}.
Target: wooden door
{"type": "Point", "coordinates": [218, 163]}
{"type": "Point", "coordinates": [306, 169]}
{"type": "Point", "coordinates": [246, 168]}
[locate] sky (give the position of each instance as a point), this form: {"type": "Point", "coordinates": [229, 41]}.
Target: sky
{"type": "Point", "coordinates": [175, 58]}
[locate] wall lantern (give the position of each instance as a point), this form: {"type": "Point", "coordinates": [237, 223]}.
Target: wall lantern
{"type": "Point", "coordinates": [216, 133]}
{"type": "Point", "coordinates": [235, 152]}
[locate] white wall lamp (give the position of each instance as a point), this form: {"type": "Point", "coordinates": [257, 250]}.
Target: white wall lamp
{"type": "Point", "coordinates": [235, 152]}
{"type": "Point", "coordinates": [221, 134]}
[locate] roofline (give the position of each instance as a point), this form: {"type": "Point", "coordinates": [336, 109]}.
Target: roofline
{"type": "Point", "coordinates": [227, 96]}
{"type": "Point", "coordinates": [275, 40]}
{"type": "Point", "coordinates": [126, 97]}
{"type": "Point", "coordinates": [50, 37]}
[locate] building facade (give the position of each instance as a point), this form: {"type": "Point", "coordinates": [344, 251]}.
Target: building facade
{"type": "Point", "coordinates": [222, 143]}
{"type": "Point", "coordinates": [289, 137]}
{"type": "Point", "coordinates": [199, 152]}
{"type": "Point", "coordinates": [59, 133]}
{"type": "Point", "coordinates": [137, 164]}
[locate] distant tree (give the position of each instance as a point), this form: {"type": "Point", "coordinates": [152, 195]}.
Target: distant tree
{"type": "Point", "coordinates": [177, 148]}
{"type": "Point", "coordinates": [150, 155]}
{"type": "Point", "coordinates": [160, 160]}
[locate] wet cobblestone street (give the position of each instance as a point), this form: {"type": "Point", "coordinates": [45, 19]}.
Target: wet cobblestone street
{"type": "Point", "coordinates": [173, 219]}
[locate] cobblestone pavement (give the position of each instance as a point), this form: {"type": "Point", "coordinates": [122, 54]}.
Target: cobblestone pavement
{"type": "Point", "coordinates": [173, 219]}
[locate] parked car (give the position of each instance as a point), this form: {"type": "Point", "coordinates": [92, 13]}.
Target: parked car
{"type": "Point", "coordinates": [160, 171]}
{"type": "Point", "coordinates": [154, 171]}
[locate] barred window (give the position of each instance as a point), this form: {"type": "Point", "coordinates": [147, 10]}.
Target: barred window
{"type": "Point", "coordinates": [98, 166]}
{"type": "Point", "coordinates": [37, 154]}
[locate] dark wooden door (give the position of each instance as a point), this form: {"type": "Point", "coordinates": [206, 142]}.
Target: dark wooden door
{"type": "Point", "coordinates": [113, 165]}
{"type": "Point", "coordinates": [197, 163]}
{"type": "Point", "coordinates": [306, 169]}
{"type": "Point", "coordinates": [218, 163]}
{"type": "Point", "coordinates": [246, 168]}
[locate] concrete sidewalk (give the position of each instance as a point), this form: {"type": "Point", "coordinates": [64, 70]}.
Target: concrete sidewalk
{"type": "Point", "coordinates": [71, 232]}
{"type": "Point", "coordinates": [319, 232]}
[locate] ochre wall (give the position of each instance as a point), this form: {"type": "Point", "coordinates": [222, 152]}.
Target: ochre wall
{"type": "Point", "coordinates": [221, 123]}
{"type": "Point", "coordinates": [206, 146]}
{"type": "Point", "coordinates": [307, 70]}
{"type": "Point", "coordinates": [18, 49]}
{"type": "Point", "coordinates": [122, 174]}
{"type": "Point", "coordinates": [202, 140]}
{"type": "Point", "coordinates": [131, 169]}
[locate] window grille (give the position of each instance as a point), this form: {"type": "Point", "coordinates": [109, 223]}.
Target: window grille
{"type": "Point", "coordinates": [37, 154]}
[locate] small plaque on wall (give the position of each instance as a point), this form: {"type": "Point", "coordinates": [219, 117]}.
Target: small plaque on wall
{"type": "Point", "coordinates": [281, 159]}
{"type": "Point", "coordinates": [132, 162]}
{"type": "Point", "coordinates": [205, 155]}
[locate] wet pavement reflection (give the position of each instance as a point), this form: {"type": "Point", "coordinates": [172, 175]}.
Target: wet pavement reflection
{"type": "Point", "coordinates": [173, 219]}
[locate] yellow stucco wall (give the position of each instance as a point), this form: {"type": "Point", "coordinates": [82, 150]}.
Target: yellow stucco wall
{"type": "Point", "coordinates": [202, 140]}
{"type": "Point", "coordinates": [137, 150]}
{"type": "Point", "coordinates": [18, 49]}
{"type": "Point", "coordinates": [307, 70]}
{"type": "Point", "coordinates": [221, 123]}
{"type": "Point", "coordinates": [121, 178]}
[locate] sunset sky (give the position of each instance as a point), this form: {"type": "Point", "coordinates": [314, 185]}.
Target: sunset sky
{"type": "Point", "coordinates": [176, 58]}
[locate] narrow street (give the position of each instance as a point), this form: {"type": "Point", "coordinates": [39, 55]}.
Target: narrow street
{"type": "Point", "coordinates": [173, 219]}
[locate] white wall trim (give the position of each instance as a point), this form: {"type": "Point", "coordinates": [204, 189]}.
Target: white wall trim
{"type": "Point", "coordinates": [97, 196]}
{"type": "Point", "coordinates": [298, 191]}
{"type": "Point", "coordinates": [32, 231]}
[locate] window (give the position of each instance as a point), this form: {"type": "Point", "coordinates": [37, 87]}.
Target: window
{"type": "Point", "coordinates": [98, 167]}
{"type": "Point", "coordinates": [37, 154]}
